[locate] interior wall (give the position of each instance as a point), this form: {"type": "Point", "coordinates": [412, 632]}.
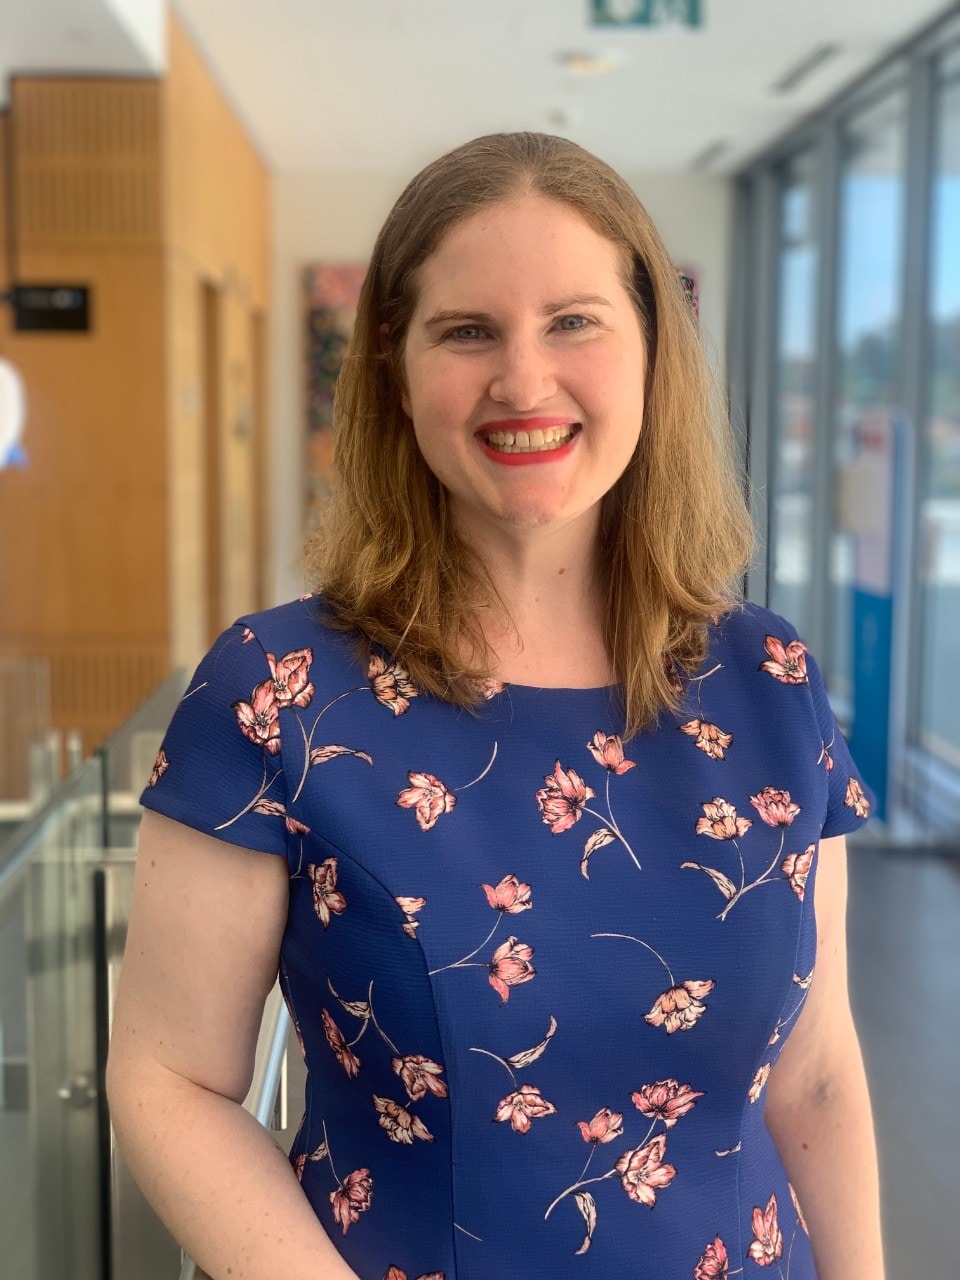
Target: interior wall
{"type": "Point", "coordinates": [83, 566]}
{"type": "Point", "coordinates": [217, 209]}
{"type": "Point", "coordinates": [150, 193]}
{"type": "Point", "coordinates": [335, 217]}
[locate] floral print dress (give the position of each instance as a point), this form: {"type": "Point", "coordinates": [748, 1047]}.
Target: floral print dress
{"type": "Point", "coordinates": [539, 975]}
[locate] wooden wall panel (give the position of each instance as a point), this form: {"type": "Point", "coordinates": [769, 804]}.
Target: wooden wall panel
{"type": "Point", "coordinates": [87, 515]}
{"type": "Point", "coordinates": [217, 195]}
{"type": "Point", "coordinates": [87, 157]}
{"type": "Point", "coordinates": [217, 219]}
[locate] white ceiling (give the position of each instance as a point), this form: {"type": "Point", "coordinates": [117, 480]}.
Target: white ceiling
{"type": "Point", "coordinates": [388, 84]}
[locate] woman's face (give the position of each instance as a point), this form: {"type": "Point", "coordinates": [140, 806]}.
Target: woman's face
{"type": "Point", "coordinates": [525, 366]}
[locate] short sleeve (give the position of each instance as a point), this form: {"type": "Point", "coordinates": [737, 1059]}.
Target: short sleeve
{"type": "Point", "coordinates": [220, 768]}
{"type": "Point", "coordinates": [850, 801]}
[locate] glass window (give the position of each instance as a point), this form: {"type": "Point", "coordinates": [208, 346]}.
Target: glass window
{"type": "Point", "coordinates": [872, 210]}
{"type": "Point", "coordinates": [939, 517]}
{"type": "Point", "coordinates": [794, 421]}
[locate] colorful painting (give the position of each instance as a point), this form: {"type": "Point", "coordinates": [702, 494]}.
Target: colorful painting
{"type": "Point", "coordinates": [331, 293]}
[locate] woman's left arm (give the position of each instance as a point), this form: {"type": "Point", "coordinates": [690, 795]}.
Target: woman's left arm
{"type": "Point", "coordinates": [818, 1107]}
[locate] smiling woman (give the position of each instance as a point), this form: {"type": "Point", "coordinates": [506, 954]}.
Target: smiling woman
{"type": "Point", "coordinates": [536, 373]}
{"type": "Point", "coordinates": [487, 753]}
{"type": "Point", "coordinates": [516, 277]}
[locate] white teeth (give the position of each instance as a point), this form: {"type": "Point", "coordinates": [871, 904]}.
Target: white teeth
{"type": "Point", "coordinates": [536, 441]}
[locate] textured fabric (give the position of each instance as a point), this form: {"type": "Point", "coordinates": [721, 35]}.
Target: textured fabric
{"type": "Point", "coordinates": [539, 976]}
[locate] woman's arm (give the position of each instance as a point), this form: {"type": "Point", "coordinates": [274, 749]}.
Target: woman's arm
{"type": "Point", "coordinates": [818, 1108]}
{"type": "Point", "coordinates": [201, 957]}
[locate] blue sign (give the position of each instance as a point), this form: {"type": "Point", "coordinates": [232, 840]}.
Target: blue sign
{"type": "Point", "coordinates": [645, 13]}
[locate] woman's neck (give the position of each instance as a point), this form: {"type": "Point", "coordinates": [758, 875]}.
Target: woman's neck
{"type": "Point", "coordinates": [547, 627]}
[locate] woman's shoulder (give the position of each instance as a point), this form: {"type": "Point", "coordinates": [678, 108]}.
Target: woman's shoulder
{"type": "Point", "coordinates": [747, 622]}
{"type": "Point", "coordinates": [308, 616]}
{"type": "Point", "coordinates": [302, 624]}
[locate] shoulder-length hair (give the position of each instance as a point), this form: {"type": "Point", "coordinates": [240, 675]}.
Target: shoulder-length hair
{"type": "Point", "coordinates": [675, 530]}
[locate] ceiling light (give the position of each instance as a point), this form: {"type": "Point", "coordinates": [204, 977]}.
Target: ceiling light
{"type": "Point", "coordinates": [583, 63]}
{"type": "Point", "coordinates": [804, 67]}
{"type": "Point", "coordinates": [710, 154]}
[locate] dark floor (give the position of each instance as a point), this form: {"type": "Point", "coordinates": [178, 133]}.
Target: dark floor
{"type": "Point", "coordinates": [904, 946]}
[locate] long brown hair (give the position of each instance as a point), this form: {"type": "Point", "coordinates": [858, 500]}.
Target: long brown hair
{"type": "Point", "coordinates": [675, 529]}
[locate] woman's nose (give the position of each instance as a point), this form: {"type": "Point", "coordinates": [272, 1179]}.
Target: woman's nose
{"type": "Point", "coordinates": [523, 375]}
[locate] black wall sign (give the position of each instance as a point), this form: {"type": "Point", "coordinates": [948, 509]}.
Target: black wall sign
{"type": "Point", "coordinates": [57, 307]}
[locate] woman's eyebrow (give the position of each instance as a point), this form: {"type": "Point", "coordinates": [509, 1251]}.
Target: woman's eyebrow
{"type": "Point", "coordinates": [551, 308]}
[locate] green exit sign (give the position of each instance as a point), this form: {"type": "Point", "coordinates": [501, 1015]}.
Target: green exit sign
{"type": "Point", "coordinates": [645, 13]}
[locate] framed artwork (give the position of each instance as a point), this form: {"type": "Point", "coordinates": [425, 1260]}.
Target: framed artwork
{"type": "Point", "coordinates": [331, 292]}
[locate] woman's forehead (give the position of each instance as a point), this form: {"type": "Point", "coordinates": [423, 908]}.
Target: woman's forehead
{"type": "Point", "coordinates": [532, 243]}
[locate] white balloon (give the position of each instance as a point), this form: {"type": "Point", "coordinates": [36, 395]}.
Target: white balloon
{"type": "Point", "coordinates": [13, 412]}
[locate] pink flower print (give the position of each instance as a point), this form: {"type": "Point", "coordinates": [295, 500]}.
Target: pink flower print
{"type": "Point", "coordinates": [709, 737]}
{"type": "Point", "coordinates": [428, 797]}
{"type": "Point", "coordinates": [400, 1124]}
{"type": "Point", "coordinates": [563, 798]}
{"type": "Point", "coordinates": [605, 1126]}
{"type": "Point", "coordinates": [160, 767]}
{"type": "Point", "coordinates": [301, 1161]}
{"type": "Point", "coordinates": [607, 750]}
{"type": "Point", "coordinates": [326, 897]}
{"type": "Point", "coordinates": [721, 821]}
{"type": "Point", "coordinates": [856, 800]}
{"type": "Point", "coordinates": [665, 1100]}
{"type": "Point", "coordinates": [510, 967]}
{"type": "Point", "coordinates": [759, 1080]}
{"type": "Point", "coordinates": [410, 907]}
{"type": "Point", "coordinates": [352, 1197]}
{"type": "Point", "coordinates": [714, 1263]}
{"type": "Point", "coordinates": [275, 809]}
{"type": "Point", "coordinates": [259, 719]}
{"type": "Point", "coordinates": [670, 671]}
{"type": "Point", "coordinates": [246, 636]}
{"type": "Point", "coordinates": [643, 1173]}
{"type": "Point", "coordinates": [394, 1273]}
{"type": "Point", "coordinates": [489, 688]}
{"type": "Point", "coordinates": [787, 662]}
{"type": "Point", "coordinates": [767, 1245]}
{"type": "Point", "coordinates": [291, 679]}
{"type": "Point", "coordinates": [679, 1008]}
{"type": "Point", "coordinates": [522, 1106]}
{"type": "Point", "coordinates": [510, 896]}
{"type": "Point", "coordinates": [391, 684]}
{"type": "Point", "coordinates": [775, 807]}
{"type": "Point", "coordinates": [796, 867]}
{"type": "Point", "coordinates": [420, 1075]}
{"type": "Point", "coordinates": [341, 1050]}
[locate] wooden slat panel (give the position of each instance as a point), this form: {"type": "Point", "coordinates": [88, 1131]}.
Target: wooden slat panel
{"type": "Point", "coordinates": [94, 687]}
{"type": "Point", "coordinates": [87, 161]}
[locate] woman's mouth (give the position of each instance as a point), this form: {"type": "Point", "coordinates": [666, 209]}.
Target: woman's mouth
{"type": "Point", "coordinates": [538, 440]}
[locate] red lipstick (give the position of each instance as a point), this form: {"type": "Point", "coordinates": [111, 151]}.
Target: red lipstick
{"type": "Point", "coordinates": [522, 458]}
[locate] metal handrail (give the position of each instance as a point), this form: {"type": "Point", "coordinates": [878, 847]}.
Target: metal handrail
{"type": "Point", "coordinates": [29, 835]}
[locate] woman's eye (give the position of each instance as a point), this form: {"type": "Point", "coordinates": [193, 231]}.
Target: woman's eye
{"type": "Point", "coordinates": [467, 333]}
{"type": "Point", "coordinates": [573, 323]}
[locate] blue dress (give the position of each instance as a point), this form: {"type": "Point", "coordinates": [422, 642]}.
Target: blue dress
{"type": "Point", "coordinates": [539, 975]}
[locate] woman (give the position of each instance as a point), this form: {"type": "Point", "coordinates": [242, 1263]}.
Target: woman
{"type": "Point", "coordinates": [552, 810]}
